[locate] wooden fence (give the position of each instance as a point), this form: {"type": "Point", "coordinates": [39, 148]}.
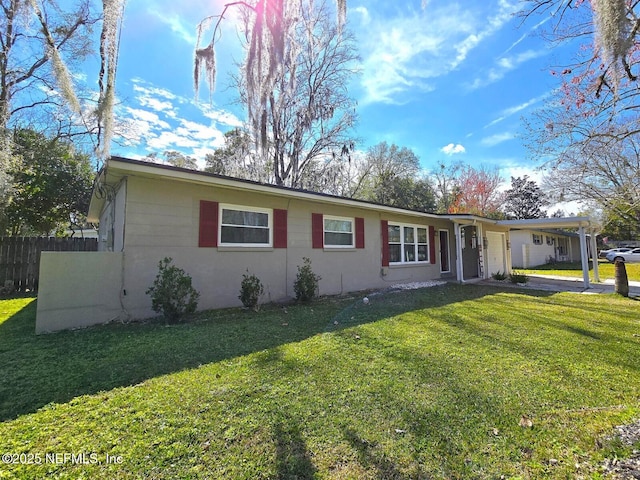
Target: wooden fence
{"type": "Point", "coordinates": [20, 258]}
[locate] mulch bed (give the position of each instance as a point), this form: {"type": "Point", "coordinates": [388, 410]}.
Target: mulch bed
{"type": "Point", "coordinates": [628, 468]}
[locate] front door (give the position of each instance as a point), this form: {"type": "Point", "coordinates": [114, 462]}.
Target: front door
{"type": "Point", "coordinates": [444, 252]}
{"type": "Point", "coordinates": [470, 252]}
{"type": "Point", "coordinates": [496, 258]}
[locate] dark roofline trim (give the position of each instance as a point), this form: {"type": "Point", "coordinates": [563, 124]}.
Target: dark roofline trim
{"type": "Point", "coordinates": [171, 168]}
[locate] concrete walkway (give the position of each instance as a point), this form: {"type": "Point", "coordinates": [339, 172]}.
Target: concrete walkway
{"type": "Point", "coordinates": [556, 283]}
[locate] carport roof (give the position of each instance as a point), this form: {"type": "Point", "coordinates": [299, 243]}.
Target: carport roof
{"type": "Point", "coordinates": [546, 223]}
{"type": "Point", "coordinates": [528, 224]}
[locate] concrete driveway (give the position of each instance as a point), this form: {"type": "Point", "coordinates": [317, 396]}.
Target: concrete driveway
{"type": "Point", "coordinates": [555, 283]}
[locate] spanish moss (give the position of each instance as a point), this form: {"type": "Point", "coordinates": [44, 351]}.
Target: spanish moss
{"type": "Point", "coordinates": [612, 32]}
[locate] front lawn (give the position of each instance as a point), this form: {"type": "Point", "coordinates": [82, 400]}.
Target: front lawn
{"type": "Point", "coordinates": [605, 269]}
{"type": "Point", "coordinates": [446, 382]}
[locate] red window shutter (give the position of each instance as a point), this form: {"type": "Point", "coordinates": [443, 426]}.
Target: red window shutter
{"type": "Point", "coordinates": [359, 232]}
{"type": "Point", "coordinates": [432, 245]}
{"type": "Point", "coordinates": [208, 236]}
{"type": "Point", "coordinates": [384, 227]}
{"type": "Point", "coordinates": [317, 230]}
{"type": "Point", "coordinates": [279, 228]}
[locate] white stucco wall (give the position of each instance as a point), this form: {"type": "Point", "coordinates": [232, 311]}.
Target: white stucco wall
{"type": "Point", "coordinates": [78, 289]}
{"type": "Point", "coordinates": [162, 220]}
{"type": "Point", "coordinates": [525, 254]}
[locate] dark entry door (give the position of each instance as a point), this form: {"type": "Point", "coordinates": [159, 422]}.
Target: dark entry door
{"type": "Point", "coordinates": [470, 252]}
{"type": "Point", "coordinates": [444, 252]}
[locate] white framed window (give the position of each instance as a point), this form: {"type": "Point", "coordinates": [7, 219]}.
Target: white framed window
{"type": "Point", "coordinates": [550, 240]}
{"type": "Point", "coordinates": [242, 226]}
{"type": "Point", "coordinates": [408, 243]}
{"type": "Point", "coordinates": [338, 232]}
{"type": "Point", "coordinates": [537, 239]}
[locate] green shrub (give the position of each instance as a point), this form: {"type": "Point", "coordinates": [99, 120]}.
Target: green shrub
{"type": "Point", "coordinates": [306, 284]}
{"type": "Point", "coordinates": [172, 293]}
{"type": "Point", "coordinates": [500, 276]}
{"type": "Point", "coordinates": [250, 291]}
{"type": "Point", "coordinates": [515, 277]}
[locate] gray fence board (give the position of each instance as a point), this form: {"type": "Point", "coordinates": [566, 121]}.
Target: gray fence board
{"type": "Point", "coordinates": [20, 258]}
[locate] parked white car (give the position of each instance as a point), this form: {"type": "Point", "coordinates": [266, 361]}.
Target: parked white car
{"type": "Point", "coordinates": [632, 256]}
{"type": "Point", "coordinates": [604, 253]}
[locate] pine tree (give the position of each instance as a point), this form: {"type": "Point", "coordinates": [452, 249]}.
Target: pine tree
{"type": "Point", "coordinates": [524, 200]}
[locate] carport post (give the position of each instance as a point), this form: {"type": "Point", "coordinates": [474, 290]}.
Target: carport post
{"type": "Point", "coordinates": [583, 257]}
{"type": "Point", "coordinates": [459, 265]}
{"type": "Point", "coordinates": [594, 257]}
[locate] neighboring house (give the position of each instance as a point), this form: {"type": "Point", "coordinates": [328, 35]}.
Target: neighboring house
{"type": "Point", "coordinates": [217, 228]}
{"type": "Point", "coordinates": [530, 248]}
{"type": "Point", "coordinates": [622, 243]}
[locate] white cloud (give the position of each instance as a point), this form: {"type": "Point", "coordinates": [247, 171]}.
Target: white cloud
{"type": "Point", "coordinates": [158, 99]}
{"type": "Point", "coordinates": [504, 65]}
{"type": "Point", "coordinates": [488, 27]}
{"type": "Point", "coordinates": [220, 116]}
{"type": "Point", "coordinates": [204, 134]}
{"type": "Point", "coordinates": [511, 168]}
{"type": "Point", "coordinates": [171, 141]}
{"type": "Point", "coordinates": [177, 24]}
{"type": "Point", "coordinates": [157, 105]}
{"type": "Point", "coordinates": [159, 120]}
{"type": "Point", "coordinates": [497, 138]}
{"type": "Point", "coordinates": [507, 112]}
{"type": "Point", "coordinates": [80, 76]}
{"type": "Point", "coordinates": [453, 149]}
{"type": "Point", "coordinates": [365, 16]}
{"type": "Point", "coordinates": [525, 35]}
{"type": "Point", "coordinates": [140, 85]}
{"type": "Point", "coordinates": [572, 208]}
{"type": "Point", "coordinates": [151, 120]}
{"type": "Point", "coordinates": [515, 170]}
{"type": "Point", "coordinates": [405, 53]}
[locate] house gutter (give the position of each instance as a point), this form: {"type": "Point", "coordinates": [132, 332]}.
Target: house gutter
{"type": "Point", "coordinates": [119, 166]}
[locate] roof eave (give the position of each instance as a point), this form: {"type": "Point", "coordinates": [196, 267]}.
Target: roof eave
{"type": "Point", "coordinates": [121, 167]}
{"type": "Point", "coordinates": [542, 223]}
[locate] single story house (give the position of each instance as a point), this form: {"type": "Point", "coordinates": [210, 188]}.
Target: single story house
{"type": "Point", "coordinates": [217, 228]}
{"type": "Point", "coordinates": [530, 248]}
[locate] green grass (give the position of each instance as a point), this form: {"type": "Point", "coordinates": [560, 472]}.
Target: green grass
{"type": "Point", "coordinates": [605, 270]}
{"type": "Point", "coordinates": [420, 384]}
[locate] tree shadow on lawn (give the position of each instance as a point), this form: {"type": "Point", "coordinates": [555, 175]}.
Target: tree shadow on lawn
{"type": "Point", "coordinates": [415, 431]}
{"type": "Point", "coordinates": [293, 460]}
{"type": "Point", "coordinates": [481, 417]}
{"type": "Point", "coordinates": [587, 335]}
{"type": "Point", "coordinates": [58, 367]}
{"type": "Point", "coordinates": [370, 455]}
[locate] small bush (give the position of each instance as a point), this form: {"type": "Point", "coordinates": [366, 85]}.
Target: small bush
{"type": "Point", "coordinates": [306, 284]}
{"type": "Point", "coordinates": [515, 277]}
{"type": "Point", "coordinates": [500, 276]}
{"type": "Point", "coordinates": [172, 293]}
{"type": "Point", "coordinates": [251, 290]}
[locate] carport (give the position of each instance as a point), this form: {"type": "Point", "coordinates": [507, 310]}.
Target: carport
{"type": "Point", "coordinates": [585, 227]}
{"type": "Point", "coordinates": [483, 234]}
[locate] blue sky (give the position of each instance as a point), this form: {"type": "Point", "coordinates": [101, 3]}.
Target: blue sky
{"type": "Point", "coordinates": [452, 81]}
